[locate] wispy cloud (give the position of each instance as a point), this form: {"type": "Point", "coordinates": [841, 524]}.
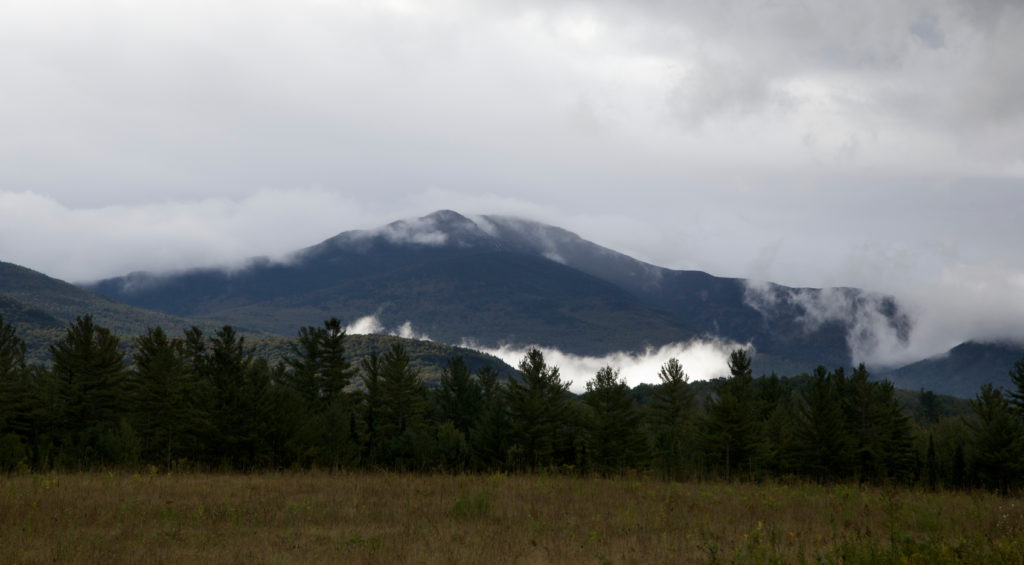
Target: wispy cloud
{"type": "Point", "coordinates": [701, 359]}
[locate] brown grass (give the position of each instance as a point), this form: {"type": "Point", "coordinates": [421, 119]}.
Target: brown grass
{"type": "Point", "coordinates": [388, 518]}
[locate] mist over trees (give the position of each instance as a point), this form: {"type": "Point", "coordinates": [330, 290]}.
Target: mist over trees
{"type": "Point", "coordinates": [200, 401]}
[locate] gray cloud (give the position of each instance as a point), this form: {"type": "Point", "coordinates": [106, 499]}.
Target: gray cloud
{"type": "Point", "coordinates": [873, 144]}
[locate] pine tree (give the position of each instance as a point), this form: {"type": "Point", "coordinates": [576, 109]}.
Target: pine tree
{"type": "Point", "coordinates": [403, 409]}
{"type": "Point", "coordinates": [613, 424]}
{"type": "Point", "coordinates": [90, 365]}
{"type": "Point", "coordinates": [489, 438]}
{"type": "Point", "coordinates": [15, 386]}
{"type": "Point", "coordinates": [997, 440]}
{"type": "Point", "coordinates": [236, 405]}
{"type": "Point", "coordinates": [319, 370]}
{"type": "Point", "coordinates": [318, 374]}
{"type": "Point", "coordinates": [459, 396]}
{"type": "Point", "coordinates": [822, 445]}
{"type": "Point", "coordinates": [733, 418]}
{"type": "Point", "coordinates": [1017, 396]}
{"type": "Point", "coordinates": [538, 409]}
{"type": "Point", "coordinates": [12, 351]}
{"type": "Point", "coordinates": [164, 414]}
{"type": "Point", "coordinates": [371, 368]}
{"type": "Point", "coordinates": [672, 409]}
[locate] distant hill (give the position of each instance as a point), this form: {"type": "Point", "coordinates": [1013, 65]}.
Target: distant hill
{"type": "Point", "coordinates": [495, 280]}
{"type": "Point", "coordinates": [40, 307]}
{"type": "Point", "coordinates": [427, 357]}
{"type": "Point", "coordinates": [962, 371]}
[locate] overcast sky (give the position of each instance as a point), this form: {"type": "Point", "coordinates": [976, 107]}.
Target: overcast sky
{"type": "Point", "coordinates": [877, 144]}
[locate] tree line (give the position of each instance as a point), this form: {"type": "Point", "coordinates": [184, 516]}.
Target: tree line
{"type": "Point", "coordinates": [201, 401]}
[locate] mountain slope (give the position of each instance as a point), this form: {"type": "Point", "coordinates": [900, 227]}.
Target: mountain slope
{"type": "Point", "coordinates": [497, 279]}
{"type": "Point", "coordinates": [961, 371]}
{"type": "Point", "coordinates": [40, 307]}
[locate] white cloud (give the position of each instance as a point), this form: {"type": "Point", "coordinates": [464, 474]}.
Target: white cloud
{"type": "Point", "coordinates": [372, 325]}
{"type": "Point", "coordinates": [701, 359]}
{"type": "Point", "coordinates": [366, 325]}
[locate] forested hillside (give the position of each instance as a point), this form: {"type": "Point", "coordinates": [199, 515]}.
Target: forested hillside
{"type": "Point", "coordinates": [206, 400]}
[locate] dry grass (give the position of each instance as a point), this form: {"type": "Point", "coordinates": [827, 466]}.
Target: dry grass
{"type": "Point", "coordinates": [387, 518]}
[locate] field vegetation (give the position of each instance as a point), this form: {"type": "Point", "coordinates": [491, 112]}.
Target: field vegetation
{"type": "Point", "coordinates": [310, 517]}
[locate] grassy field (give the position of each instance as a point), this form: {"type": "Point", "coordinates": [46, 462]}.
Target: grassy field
{"type": "Point", "coordinates": [388, 518]}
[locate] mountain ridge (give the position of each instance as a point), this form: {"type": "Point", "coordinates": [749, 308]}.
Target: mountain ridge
{"type": "Point", "coordinates": [579, 296]}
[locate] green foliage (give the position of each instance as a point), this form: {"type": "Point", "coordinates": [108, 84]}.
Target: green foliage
{"type": "Point", "coordinates": [459, 396]}
{"type": "Point", "coordinates": [672, 420]}
{"type": "Point", "coordinates": [614, 436]}
{"type": "Point", "coordinates": [403, 411]}
{"type": "Point", "coordinates": [490, 437]}
{"type": "Point", "coordinates": [998, 440]}
{"type": "Point", "coordinates": [164, 411]}
{"type": "Point", "coordinates": [1017, 395]}
{"type": "Point", "coordinates": [539, 410]}
{"type": "Point", "coordinates": [319, 372]}
{"type": "Point", "coordinates": [89, 365]}
{"type": "Point", "coordinates": [211, 402]}
{"type": "Point", "coordinates": [732, 437]}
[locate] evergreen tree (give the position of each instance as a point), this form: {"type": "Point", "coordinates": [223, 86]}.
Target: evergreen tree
{"type": "Point", "coordinates": [403, 409]}
{"type": "Point", "coordinates": [865, 416]}
{"type": "Point", "coordinates": [538, 408]}
{"type": "Point", "coordinates": [1017, 396]}
{"type": "Point", "coordinates": [997, 440]}
{"type": "Point", "coordinates": [613, 424]}
{"type": "Point", "coordinates": [303, 376]}
{"type": "Point", "coordinates": [319, 370]}
{"type": "Point", "coordinates": [164, 414]}
{"type": "Point", "coordinates": [672, 408]}
{"type": "Point", "coordinates": [16, 406]}
{"type": "Point", "coordinates": [733, 425]}
{"type": "Point", "coordinates": [15, 387]}
{"type": "Point", "coordinates": [775, 397]}
{"type": "Point", "coordinates": [822, 446]}
{"type": "Point", "coordinates": [12, 351]}
{"type": "Point", "coordinates": [236, 406]}
{"type": "Point", "coordinates": [319, 374]}
{"type": "Point", "coordinates": [459, 396]}
{"type": "Point", "coordinates": [89, 375]}
{"type": "Point", "coordinates": [371, 368]}
{"type": "Point", "coordinates": [489, 438]}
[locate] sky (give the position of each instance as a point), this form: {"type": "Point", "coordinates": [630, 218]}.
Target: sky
{"type": "Point", "coordinates": [877, 144]}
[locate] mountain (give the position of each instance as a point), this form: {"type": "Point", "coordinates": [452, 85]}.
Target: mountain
{"type": "Point", "coordinates": [40, 308]}
{"type": "Point", "coordinates": [962, 370]}
{"type": "Point", "coordinates": [496, 279]}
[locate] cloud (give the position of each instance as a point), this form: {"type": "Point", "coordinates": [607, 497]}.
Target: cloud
{"type": "Point", "coordinates": [366, 325]}
{"type": "Point", "coordinates": [701, 359]}
{"type": "Point", "coordinates": [371, 325]}
{"type": "Point", "coordinates": [421, 231]}
{"type": "Point", "coordinates": [82, 244]}
{"type": "Point", "coordinates": [877, 331]}
{"type": "Point", "coordinates": [813, 144]}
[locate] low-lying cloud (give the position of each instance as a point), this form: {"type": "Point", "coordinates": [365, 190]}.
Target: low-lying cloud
{"type": "Point", "coordinates": [702, 359]}
{"type": "Point", "coordinates": [877, 331]}
{"type": "Point", "coordinates": [371, 324]}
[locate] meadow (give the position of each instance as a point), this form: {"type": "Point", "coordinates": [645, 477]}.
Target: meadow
{"type": "Point", "coordinates": [314, 517]}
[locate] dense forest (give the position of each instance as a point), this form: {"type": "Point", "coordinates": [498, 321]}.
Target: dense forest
{"type": "Point", "coordinates": [199, 401]}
